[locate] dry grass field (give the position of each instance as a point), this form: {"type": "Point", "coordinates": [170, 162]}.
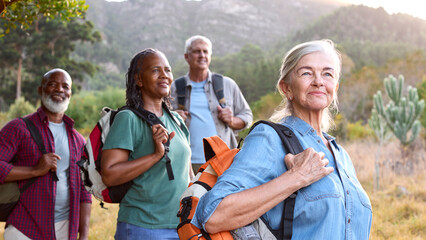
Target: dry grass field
{"type": "Point", "coordinates": [399, 206]}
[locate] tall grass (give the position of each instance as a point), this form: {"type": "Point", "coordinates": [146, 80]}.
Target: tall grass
{"type": "Point", "coordinates": [399, 206]}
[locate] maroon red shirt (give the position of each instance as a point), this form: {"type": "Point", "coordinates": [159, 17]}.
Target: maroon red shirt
{"type": "Point", "coordinates": [34, 213]}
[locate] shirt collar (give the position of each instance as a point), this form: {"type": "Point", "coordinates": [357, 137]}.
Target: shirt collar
{"type": "Point", "coordinates": [298, 124]}
{"type": "Point", "coordinates": [43, 118]}
{"type": "Point", "coordinates": [304, 128]}
{"type": "Point", "coordinates": [209, 78]}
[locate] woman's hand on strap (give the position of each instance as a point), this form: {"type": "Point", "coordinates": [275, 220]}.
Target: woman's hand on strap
{"type": "Point", "coordinates": [160, 136]}
{"type": "Point", "coordinates": [309, 165]}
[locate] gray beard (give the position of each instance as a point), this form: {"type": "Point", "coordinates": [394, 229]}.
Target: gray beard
{"type": "Point", "coordinates": [53, 106]}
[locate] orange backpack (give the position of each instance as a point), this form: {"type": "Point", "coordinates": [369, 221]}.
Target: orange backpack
{"type": "Point", "coordinates": [219, 158]}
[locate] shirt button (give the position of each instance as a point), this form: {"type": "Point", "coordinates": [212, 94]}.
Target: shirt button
{"type": "Point", "coordinates": [347, 192]}
{"type": "Point", "coordinates": [319, 141]}
{"type": "Point", "coordinates": [312, 130]}
{"type": "Point", "coordinates": [349, 220]}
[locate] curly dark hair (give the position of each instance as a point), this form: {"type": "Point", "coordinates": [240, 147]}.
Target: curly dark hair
{"type": "Point", "coordinates": [133, 91]}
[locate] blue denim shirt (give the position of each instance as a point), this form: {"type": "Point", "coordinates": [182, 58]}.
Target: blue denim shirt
{"type": "Point", "coordinates": [335, 207]}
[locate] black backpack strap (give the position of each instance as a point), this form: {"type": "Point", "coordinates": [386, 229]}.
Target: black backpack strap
{"type": "Point", "coordinates": [36, 135]}
{"type": "Point", "coordinates": [217, 81]}
{"type": "Point", "coordinates": [152, 119]}
{"type": "Point", "coordinates": [291, 145]}
{"type": "Point", "coordinates": [180, 84]}
{"type": "Point", "coordinates": [172, 116]}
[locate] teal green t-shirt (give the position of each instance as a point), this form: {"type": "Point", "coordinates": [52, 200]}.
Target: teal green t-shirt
{"type": "Point", "coordinates": [153, 200]}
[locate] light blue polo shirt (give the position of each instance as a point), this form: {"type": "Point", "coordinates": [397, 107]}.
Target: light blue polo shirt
{"type": "Point", "coordinates": [202, 123]}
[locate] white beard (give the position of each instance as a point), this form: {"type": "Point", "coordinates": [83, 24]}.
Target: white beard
{"type": "Point", "coordinates": [54, 107]}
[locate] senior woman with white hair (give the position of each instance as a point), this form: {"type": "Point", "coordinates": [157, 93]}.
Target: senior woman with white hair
{"type": "Point", "coordinates": [331, 203]}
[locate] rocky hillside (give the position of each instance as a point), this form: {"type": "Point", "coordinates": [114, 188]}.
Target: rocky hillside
{"type": "Point", "coordinates": [165, 24]}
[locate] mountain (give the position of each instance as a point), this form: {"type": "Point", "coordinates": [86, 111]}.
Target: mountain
{"type": "Point", "coordinates": [369, 36]}
{"type": "Point", "coordinates": [133, 25]}
{"type": "Point", "coordinates": [250, 37]}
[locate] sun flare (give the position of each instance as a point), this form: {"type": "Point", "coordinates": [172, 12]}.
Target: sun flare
{"type": "Point", "coordinates": [412, 7]}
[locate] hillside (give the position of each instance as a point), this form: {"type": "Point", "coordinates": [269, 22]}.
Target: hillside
{"type": "Point", "coordinates": [136, 24]}
{"type": "Point", "coordinates": [367, 35]}
{"type": "Point", "coordinates": [250, 38]}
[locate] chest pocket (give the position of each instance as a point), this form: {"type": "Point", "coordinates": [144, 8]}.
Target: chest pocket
{"type": "Point", "coordinates": [362, 195]}
{"type": "Point", "coordinates": [327, 187]}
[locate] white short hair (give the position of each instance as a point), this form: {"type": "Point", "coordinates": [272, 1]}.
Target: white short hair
{"type": "Point", "coordinates": [194, 38]}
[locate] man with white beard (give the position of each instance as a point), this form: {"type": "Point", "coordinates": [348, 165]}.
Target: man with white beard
{"type": "Point", "coordinates": [52, 207]}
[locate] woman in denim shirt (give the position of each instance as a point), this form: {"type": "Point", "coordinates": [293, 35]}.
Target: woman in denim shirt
{"type": "Point", "coordinates": [331, 203]}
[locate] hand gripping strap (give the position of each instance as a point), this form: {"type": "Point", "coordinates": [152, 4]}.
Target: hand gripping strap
{"type": "Point", "coordinates": [152, 119]}
{"type": "Point", "coordinates": [291, 145]}
{"type": "Point", "coordinates": [36, 135]}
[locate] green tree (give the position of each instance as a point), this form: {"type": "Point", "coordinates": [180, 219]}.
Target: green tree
{"type": "Point", "coordinates": [85, 106]}
{"type": "Point", "coordinates": [29, 54]}
{"type": "Point", "coordinates": [252, 71]}
{"type": "Point", "coordinates": [25, 13]}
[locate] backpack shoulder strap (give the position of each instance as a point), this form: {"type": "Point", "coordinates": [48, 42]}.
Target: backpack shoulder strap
{"type": "Point", "coordinates": [293, 146]}
{"type": "Point", "coordinates": [217, 80]}
{"type": "Point", "coordinates": [215, 146]}
{"type": "Point", "coordinates": [145, 115]}
{"type": "Point", "coordinates": [180, 84]}
{"type": "Point", "coordinates": [36, 135]}
{"type": "Point", "coordinates": [290, 141]}
{"type": "Point", "coordinates": [172, 116]}
{"type": "Point", "coordinates": [152, 119]}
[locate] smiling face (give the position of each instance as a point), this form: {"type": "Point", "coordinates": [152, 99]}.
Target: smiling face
{"type": "Point", "coordinates": [155, 77]}
{"type": "Point", "coordinates": [199, 55]}
{"type": "Point", "coordinates": [314, 83]}
{"type": "Point", "coordinates": [55, 91]}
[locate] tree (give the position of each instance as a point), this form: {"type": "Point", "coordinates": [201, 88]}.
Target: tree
{"type": "Point", "coordinates": [30, 53]}
{"type": "Point", "coordinates": [24, 13]}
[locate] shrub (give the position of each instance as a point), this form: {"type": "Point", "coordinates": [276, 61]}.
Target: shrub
{"type": "Point", "coordinates": [20, 108]}
{"type": "Point", "coordinates": [358, 131]}
{"type": "Point", "coordinates": [85, 107]}
{"type": "Point", "coordinates": [264, 108]}
{"type": "Point", "coordinates": [3, 119]}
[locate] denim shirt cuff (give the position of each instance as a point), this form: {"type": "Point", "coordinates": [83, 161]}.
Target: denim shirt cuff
{"type": "Point", "coordinates": [204, 211]}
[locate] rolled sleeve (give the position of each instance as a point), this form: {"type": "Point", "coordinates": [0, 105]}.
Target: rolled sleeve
{"type": "Point", "coordinates": [241, 107]}
{"type": "Point", "coordinates": [5, 169]}
{"type": "Point", "coordinates": [85, 196]}
{"type": "Point", "coordinates": [9, 142]}
{"type": "Point", "coordinates": [259, 161]}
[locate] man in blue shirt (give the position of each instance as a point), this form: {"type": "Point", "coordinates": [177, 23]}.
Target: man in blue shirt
{"type": "Point", "coordinates": [203, 115]}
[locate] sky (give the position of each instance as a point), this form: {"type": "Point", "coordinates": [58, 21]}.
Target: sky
{"type": "Point", "coordinates": [415, 8]}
